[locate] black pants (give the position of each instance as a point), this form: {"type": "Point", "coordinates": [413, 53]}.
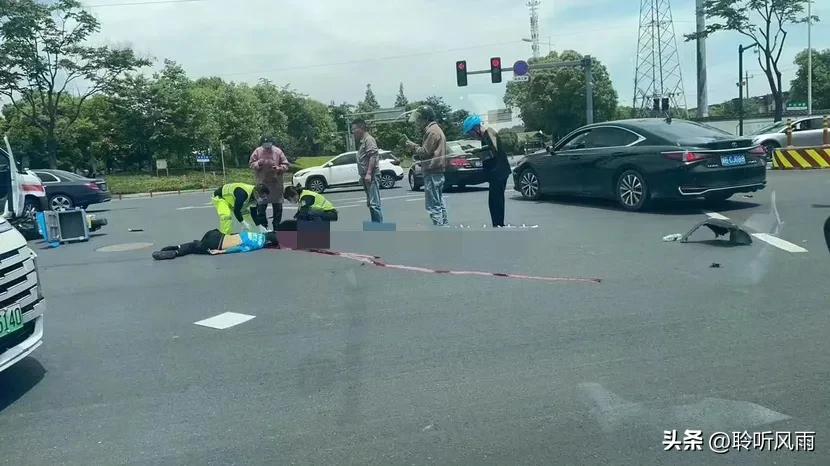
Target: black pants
{"type": "Point", "coordinates": [211, 240]}
{"type": "Point", "coordinates": [324, 216]}
{"type": "Point", "coordinates": [827, 233]}
{"type": "Point", "coordinates": [495, 199]}
{"type": "Point", "coordinates": [262, 213]}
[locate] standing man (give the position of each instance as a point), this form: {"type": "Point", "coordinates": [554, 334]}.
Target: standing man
{"type": "Point", "coordinates": [496, 165]}
{"type": "Point", "coordinates": [269, 163]}
{"type": "Point", "coordinates": [432, 154]}
{"type": "Point", "coordinates": [367, 168]}
{"type": "Point", "coordinates": [239, 200]}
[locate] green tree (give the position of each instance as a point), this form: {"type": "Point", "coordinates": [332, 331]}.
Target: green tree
{"type": "Point", "coordinates": [764, 22]}
{"type": "Point", "coordinates": [369, 103]}
{"type": "Point", "coordinates": [44, 53]}
{"type": "Point", "coordinates": [554, 100]}
{"type": "Point", "coordinates": [821, 79]}
{"type": "Point", "coordinates": [401, 100]}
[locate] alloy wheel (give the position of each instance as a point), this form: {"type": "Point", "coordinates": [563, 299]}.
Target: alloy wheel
{"type": "Point", "coordinates": [60, 202]}
{"type": "Point", "coordinates": [631, 190]}
{"type": "Point", "coordinates": [529, 184]}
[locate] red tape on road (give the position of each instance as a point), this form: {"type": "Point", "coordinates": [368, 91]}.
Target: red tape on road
{"type": "Point", "coordinates": [377, 261]}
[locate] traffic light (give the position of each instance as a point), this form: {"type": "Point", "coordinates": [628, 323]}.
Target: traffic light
{"type": "Point", "coordinates": [656, 106]}
{"type": "Point", "coordinates": [665, 104]}
{"type": "Point", "coordinates": [495, 69]}
{"type": "Point", "coordinates": [461, 73]}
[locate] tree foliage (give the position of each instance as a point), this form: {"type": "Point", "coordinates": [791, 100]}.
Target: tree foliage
{"type": "Point", "coordinates": [764, 23]}
{"type": "Point", "coordinates": [369, 103]}
{"type": "Point", "coordinates": [47, 68]}
{"type": "Point", "coordinates": [821, 79]}
{"type": "Point", "coordinates": [554, 100]}
{"type": "Point", "coordinates": [401, 100]}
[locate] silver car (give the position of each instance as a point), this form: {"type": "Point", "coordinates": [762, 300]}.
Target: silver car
{"type": "Point", "coordinates": [806, 132]}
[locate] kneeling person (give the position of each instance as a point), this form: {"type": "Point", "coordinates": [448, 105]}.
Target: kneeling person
{"type": "Point", "coordinates": [312, 205]}
{"type": "Point", "coordinates": [239, 200]}
{"type": "Point", "coordinates": [215, 242]}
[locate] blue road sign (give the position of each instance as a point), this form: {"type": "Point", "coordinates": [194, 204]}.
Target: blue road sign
{"type": "Point", "coordinates": [521, 68]}
{"type": "Point", "coordinates": [202, 158]}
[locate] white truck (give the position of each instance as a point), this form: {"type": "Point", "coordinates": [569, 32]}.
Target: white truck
{"type": "Point", "coordinates": [21, 298]}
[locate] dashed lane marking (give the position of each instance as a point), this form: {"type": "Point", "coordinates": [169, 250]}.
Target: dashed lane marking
{"type": "Point", "coordinates": [778, 242]}
{"type": "Point", "coordinates": [717, 216]}
{"type": "Point", "coordinates": [224, 320]}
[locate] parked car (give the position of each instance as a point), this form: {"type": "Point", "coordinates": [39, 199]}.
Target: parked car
{"type": "Point", "coordinates": [35, 193]}
{"type": "Point", "coordinates": [806, 132]}
{"type": "Point", "coordinates": [635, 161]}
{"type": "Point", "coordinates": [463, 169]}
{"type": "Point", "coordinates": [341, 171]}
{"type": "Point", "coordinates": [67, 190]}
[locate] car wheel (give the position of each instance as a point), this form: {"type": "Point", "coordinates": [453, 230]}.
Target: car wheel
{"type": "Point", "coordinates": [413, 186]}
{"type": "Point", "coordinates": [769, 148]}
{"type": "Point", "coordinates": [316, 184]}
{"type": "Point", "coordinates": [61, 202]}
{"type": "Point", "coordinates": [387, 180]}
{"type": "Point", "coordinates": [632, 191]}
{"type": "Point", "coordinates": [31, 208]}
{"type": "Point", "coordinates": [529, 184]}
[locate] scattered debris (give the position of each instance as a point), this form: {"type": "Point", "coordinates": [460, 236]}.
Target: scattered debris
{"type": "Point", "coordinates": [719, 227]}
{"type": "Point", "coordinates": [748, 196]}
{"type": "Point", "coordinates": [714, 265]}
{"type": "Point", "coordinates": [672, 237]}
{"type": "Point", "coordinates": [133, 230]}
{"type": "Point", "coordinates": [429, 427]}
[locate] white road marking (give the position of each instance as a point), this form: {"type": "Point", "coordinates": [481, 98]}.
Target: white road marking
{"type": "Point", "coordinates": [778, 242]}
{"type": "Point", "coordinates": [415, 200]}
{"type": "Point", "coordinates": [717, 216]}
{"type": "Point", "coordinates": [224, 320]}
{"type": "Point", "coordinates": [191, 207]}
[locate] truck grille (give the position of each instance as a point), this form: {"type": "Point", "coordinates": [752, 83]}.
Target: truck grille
{"type": "Point", "coordinates": [18, 280]}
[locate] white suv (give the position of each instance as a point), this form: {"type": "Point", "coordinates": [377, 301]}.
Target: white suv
{"type": "Point", "coordinates": [342, 171]}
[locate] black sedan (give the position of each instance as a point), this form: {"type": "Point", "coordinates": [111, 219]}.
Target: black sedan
{"type": "Point", "coordinates": [463, 169]}
{"type": "Point", "coordinates": [67, 190]}
{"type": "Point", "coordinates": [635, 161]}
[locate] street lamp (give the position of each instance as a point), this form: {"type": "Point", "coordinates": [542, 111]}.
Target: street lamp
{"type": "Point", "coordinates": [741, 50]}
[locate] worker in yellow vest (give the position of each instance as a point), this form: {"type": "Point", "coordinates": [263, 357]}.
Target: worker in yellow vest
{"type": "Point", "coordinates": [312, 205]}
{"type": "Point", "coordinates": [239, 200]}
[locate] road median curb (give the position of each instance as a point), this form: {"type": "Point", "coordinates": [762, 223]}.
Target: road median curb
{"type": "Point", "coordinates": [801, 158]}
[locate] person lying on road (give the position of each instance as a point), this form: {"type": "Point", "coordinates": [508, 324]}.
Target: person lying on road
{"type": "Point", "coordinates": [215, 242]}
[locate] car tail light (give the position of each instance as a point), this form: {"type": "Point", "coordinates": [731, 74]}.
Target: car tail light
{"type": "Point", "coordinates": [684, 156]}
{"type": "Point", "coordinates": [460, 163]}
{"type": "Point", "coordinates": [33, 188]}
{"type": "Point", "coordinates": [93, 186]}
{"type": "Point", "coordinates": [758, 151]}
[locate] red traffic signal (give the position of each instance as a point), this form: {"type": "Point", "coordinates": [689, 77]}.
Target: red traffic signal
{"type": "Point", "coordinates": [495, 69]}
{"type": "Point", "coordinates": [461, 73]}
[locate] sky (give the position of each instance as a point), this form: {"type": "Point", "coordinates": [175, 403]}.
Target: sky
{"type": "Point", "coordinates": [330, 49]}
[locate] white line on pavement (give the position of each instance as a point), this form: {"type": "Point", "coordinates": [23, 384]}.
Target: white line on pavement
{"type": "Point", "coordinates": [778, 242]}
{"type": "Point", "coordinates": [224, 320]}
{"type": "Point", "coordinates": [415, 200]}
{"type": "Point", "coordinates": [717, 216]}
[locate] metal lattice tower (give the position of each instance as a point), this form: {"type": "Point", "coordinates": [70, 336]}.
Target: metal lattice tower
{"type": "Point", "coordinates": [658, 72]}
{"type": "Point", "coordinates": [533, 5]}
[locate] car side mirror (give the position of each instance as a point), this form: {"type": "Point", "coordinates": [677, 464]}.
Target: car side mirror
{"type": "Point", "coordinates": [549, 149]}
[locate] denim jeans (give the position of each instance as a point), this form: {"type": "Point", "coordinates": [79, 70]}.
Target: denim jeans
{"type": "Point", "coordinates": [373, 199]}
{"type": "Point", "coordinates": [434, 196]}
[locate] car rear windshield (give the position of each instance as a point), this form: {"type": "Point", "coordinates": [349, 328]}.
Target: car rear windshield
{"type": "Point", "coordinates": [687, 132]}
{"type": "Point", "coordinates": [68, 175]}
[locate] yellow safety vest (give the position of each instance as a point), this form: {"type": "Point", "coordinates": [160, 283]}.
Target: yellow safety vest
{"type": "Point", "coordinates": [227, 194]}
{"type": "Point", "coordinates": [321, 204]}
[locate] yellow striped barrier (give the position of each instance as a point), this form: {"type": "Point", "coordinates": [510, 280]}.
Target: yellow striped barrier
{"type": "Point", "coordinates": [801, 158]}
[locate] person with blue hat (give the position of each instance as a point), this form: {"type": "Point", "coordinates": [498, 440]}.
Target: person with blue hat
{"type": "Point", "coordinates": [495, 163]}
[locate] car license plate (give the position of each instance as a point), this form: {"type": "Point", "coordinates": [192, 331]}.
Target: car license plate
{"type": "Point", "coordinates": [732, 160]}
{"type": "Point", "coordinates": [477, 163]}
{"type": "Point", "coordinates": [11, 320]}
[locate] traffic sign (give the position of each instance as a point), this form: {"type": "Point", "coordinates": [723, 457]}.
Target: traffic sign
{"type": "Point", "coordinates": [521, 68]}
{"type": "Point", "coordinates": [523, 78]}
{"type": "Point", "coordinates": [797, 106]}
{"type": "Point", "coordinates": [202, 158]}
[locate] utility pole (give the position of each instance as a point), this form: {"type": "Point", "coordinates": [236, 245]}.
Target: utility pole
{"type": "Point", "coordinates": [741, 50]}
{"type": "Point", "coordinates": [809, 57]}
{"type": "Point", "coordinates": [589, 89]}
{"type": "Point", "coordinates": [533, 5]}
{"type": "Point", "coordinates": [702, 90]}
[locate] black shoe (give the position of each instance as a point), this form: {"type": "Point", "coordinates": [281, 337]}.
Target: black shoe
{"type": "Point", "coordinates": [164, 255]}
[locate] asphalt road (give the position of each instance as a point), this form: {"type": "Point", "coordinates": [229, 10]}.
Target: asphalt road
{"type": "Point", "coordinates": [347, 363]}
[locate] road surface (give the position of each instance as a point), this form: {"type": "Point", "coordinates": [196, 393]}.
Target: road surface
{"type": "Point", "coordinates": [348, 363]}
